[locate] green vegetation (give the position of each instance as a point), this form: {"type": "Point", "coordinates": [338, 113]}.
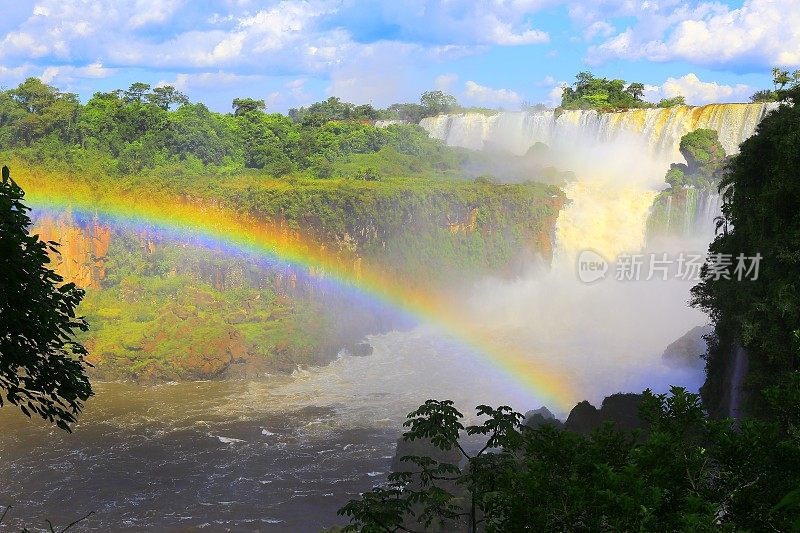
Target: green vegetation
{"type": "Point", "coordinates": [761, 197]}
{"type": "Point", "coordinates": [42, 367]}
{"type": "Point", "coordinates": [165, 311]}
{"type": "Point", "coordinates": [142, 128]}
{"type": "Point", "coordinates": [671, 102]}
{"type": "Point", "coordinates": [176, 313]}
{"type": "Point", "coordinates": [705, 161]}
{"type": "Point", "coordinates": [689, 182]}
{"type": "Point", "coordinates": [783, 82]}
{"type": "Point", "coordinates": [590, 92]}
{"type": "Point", "coordinates": [683, 473]}
{"type": "Point", "coordinates": [391, 199]}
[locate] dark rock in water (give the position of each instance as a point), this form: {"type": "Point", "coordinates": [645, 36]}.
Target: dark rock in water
{"type": "Point", "coordinates": [538, 417]}
{"type": "Point", "coordinates": [687, 351]}
{"type": "Point", "coordinates": [620, 409]}
{"type": "Point", "coordinates": [362, 349]}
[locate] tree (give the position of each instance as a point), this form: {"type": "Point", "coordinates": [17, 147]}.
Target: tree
{"type": "Point", "coordinates": [244, 106]}
{"type": "Point", "coordinates": [671, 102]}
{"type": "Point", "coordinates": [636, 90]}
{"type": "Point", "coordinates": [408, 112]}
{"type": "Point", "coordinates": [42, 367]}
{"type": "Point", "coordinates": [683, 472]}
{"type": "Point", "coordinates": [437, 102]}
{"type": "Point", "coordinates": [438, 492]}
{"type": "Point", "coordinates": [136, 92]}
{"type": "Point", "coordinates": [780, 78]}
{"type": "Point", "coordinates": [590, 92]}
{"type": "Point", "coordinates": [166, 96]}
{"type": "Point", "coordinates": [761, 199]}
{"type": "Point", "coordinates": [704, 154]}
{"type": "Point", "coordinates": [34, 95]}
{"type": "Point", "coordinates": [764, 95]}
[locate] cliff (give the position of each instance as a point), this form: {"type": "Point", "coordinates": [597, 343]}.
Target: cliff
{"type": "Point", "coordinates": [165, 307]}
{"type": "Point", "coordinates": [83, 247]}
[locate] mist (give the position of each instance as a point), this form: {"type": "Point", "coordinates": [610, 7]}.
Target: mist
{"type": "Point", "coordinates": [607, 336]}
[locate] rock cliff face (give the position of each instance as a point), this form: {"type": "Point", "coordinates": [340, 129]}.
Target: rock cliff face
{"type": "Point", "coordinates": [620, 409]}
{"type": "Point", "coordinates": [84, 247]}
{"type": "Point", "coordinates": [688, 351]}
{"type": "Point", "coordinates": [163, 307]}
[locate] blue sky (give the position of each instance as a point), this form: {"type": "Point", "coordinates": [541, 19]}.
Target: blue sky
{"type": "Point", "coordinates": [490, 52]}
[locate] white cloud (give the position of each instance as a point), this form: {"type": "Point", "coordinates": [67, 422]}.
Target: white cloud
{"type": "Point", "coordinates": [555, 94]}
{"type": "Point", "coordinates": [445, 82]}
{"type": "Point", "coordinates": [599, 28]}
{"type": "Point", "coordinates": [68, 73]}
{"type": "Point", "coordinates": [698, 92]}
{"type": "Point", "coordinates": [481, 94]}
{"type": "Point", "coordinates": [49, 74]}
{"type": "Point", "coordinates": [146, 12]}
{"type": "Point", "coordinates": [547, 81]}
{"type": "Point", "coordinates": [23, 44]}
{"type": "Point", "coordinates": [461, 22]}
{"type": "Point", "coordinates": [377, 74]}
{"type": "Point", "coordinates": [759, 34]}
{"type": "Point", "coordinates": [297, 91]}
{"type": "Point", "coordinates": [14, 75]}
{"type": "Point", "coordinates": [185, 82]}
{"type": "Point", "coordinates": [503, 33]}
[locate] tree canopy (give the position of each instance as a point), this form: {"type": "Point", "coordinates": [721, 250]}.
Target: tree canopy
{"type": "Point", "coordinates": [705, 161]}
{"type": "Point", "coordinates": [761, 202]}
{"type": "Point", "coordinates": [591, 92]}
{"type": "Point", "coordinates": [782, 82]}
{"type": "Point", "coordinates": [42, 367]}
{"type": "Point", "coordinates": [683, 473]}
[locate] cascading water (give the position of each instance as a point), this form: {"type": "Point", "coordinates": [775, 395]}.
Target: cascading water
{"type": "Point", "coordinates": [606, 336]}
{"type": "Point", "coordinates": [655, 131]}
{"type": "Point", "coordinates": [661, 129]}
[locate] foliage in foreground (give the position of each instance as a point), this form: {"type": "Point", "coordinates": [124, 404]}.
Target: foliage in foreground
{"type": "Point", "coordinates": [42, 368]}
{"type": "Point", "coordinates": [683, 473]}
{"type": "Point", "coordinates": [760, 215]}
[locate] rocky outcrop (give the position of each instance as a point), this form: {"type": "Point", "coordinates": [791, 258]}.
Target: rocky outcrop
{"type": "Point", "coordinates": [539, 417]}
{"type": "Point", "coordinates": [622, 410]}
{"type": "Point", "coordinates": [83, 247]}
{"type": "Point", "coordinates": [689, 350]}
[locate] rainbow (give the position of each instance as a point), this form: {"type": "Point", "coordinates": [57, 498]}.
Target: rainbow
{"type": "Point", "coordinates": [248, 235]}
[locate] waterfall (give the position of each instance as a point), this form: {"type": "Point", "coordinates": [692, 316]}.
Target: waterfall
{"type": "Point", "coordinates": [707, 210]}
{"type": "Point", "coordinates": [605, 334]}
{"type": "Point", "coordinates": [661, 129]}
{"type": "Point", "coordinates": [619, 159]}
{"type": "Point", "coordinates": [669, 210]}
{"type": "Point", "coordinates": [609, 220]}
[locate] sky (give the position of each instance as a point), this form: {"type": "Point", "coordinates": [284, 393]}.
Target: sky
{"type": "Point", "coordinates": [494, 53]}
